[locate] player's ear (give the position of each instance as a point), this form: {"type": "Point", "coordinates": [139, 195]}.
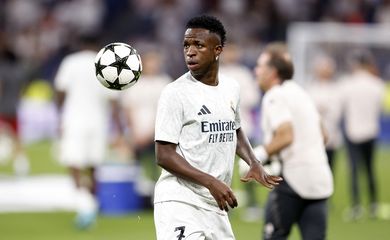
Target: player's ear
{"type": "Point", "coordinates": [218, 50]}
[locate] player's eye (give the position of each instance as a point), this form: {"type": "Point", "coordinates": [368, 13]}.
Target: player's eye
{"type": "Point", "coordinates": [199, 45]}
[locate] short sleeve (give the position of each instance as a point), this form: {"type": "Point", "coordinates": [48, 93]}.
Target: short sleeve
{"type": "Point", "coordinates": [169, 118]}
{"type": "Point", "coordinates": [238, 116]}
{"type": "Point", "coordinates": [278, 112]}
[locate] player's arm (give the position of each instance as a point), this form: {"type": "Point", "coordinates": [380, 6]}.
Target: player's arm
{"type": "Point", "coordinates": [244, 149]}
{"type": "Point", "coordinates": [60, 98]}
{"type": "Point", "coordinates": [324, 133]}
{"type": "Point", "coordinates": [120, 139]}
{"type": "Point", "coordinates": [256, 170]}
{"type": "Point", "coordinates": [170, 160]}
{"type": "Point", "coordinates": [116, 114]}
{"type": "Point", "coordinates": [59, 101]}
{"type": "Point", "coordinates": [283, 136]}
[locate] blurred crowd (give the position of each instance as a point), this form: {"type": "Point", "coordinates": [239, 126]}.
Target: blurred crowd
{"type": "Point", "coordinates": [41, 32]}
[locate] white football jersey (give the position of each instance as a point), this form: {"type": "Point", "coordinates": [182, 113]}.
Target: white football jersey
{"type": "Point", "coordinates": [362, 98]}
{"type": "Point", "coordinates": [76, 77]}
{"type": "Point", "coordinates": [202, 120]}
{"type": "Point", "coordinates": [305, 165]}
{"type": "Point", "coordinates": [327, 98]}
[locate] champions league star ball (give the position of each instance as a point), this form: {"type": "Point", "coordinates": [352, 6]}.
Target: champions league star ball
{"type": "Point", "coordinates": [118, 66]}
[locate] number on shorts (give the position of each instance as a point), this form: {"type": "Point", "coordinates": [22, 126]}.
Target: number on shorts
{"type": "Point", "coordinates": [181, 234]}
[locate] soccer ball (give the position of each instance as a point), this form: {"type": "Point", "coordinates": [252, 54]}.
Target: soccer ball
{"type": "Point", "coordinates": [118, 66]}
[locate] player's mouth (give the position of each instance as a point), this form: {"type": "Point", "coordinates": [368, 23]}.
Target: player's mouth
{"type": "Point", "coordinates": [192, 65]}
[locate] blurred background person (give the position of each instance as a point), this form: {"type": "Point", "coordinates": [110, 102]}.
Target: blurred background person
{"type": "Point", "coordinates": [140, 104]}
{"type": "Point", "coordinates": [232, 66]}
{"type": "Point", "coordinates": [292, 133]}
{"type": "Point", "coordinates": [85, 107]}
{"type": "Point", "coordinates": [362, 98]}
{"type": "Point", "coordinates": [13, 79]}
{"type": "Point", "coordinates": [325, 91]}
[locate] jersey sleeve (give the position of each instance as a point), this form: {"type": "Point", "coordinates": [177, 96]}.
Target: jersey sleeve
{"type": "Point", "coordinates": [237, 113]}
{"type": "Point", "coordinates": [169, 118]}
{"type": "Point", "coordinates": [278, 112]}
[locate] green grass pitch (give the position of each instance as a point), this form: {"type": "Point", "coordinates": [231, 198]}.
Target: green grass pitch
{"type": "Point", "coordinates": [59, 225]}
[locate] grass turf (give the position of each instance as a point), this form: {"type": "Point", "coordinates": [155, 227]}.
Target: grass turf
{"type": "Point", "coordinates": [59, 225]}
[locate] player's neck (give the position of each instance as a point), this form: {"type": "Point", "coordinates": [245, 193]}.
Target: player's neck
{"type": "Point", "coordinates": [209, 78]}
{"type": "Point", "coordinates": [273, 84]}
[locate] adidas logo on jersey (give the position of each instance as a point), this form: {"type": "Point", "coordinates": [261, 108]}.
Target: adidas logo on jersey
{"type": "Point", "coordinates": [204, 110]}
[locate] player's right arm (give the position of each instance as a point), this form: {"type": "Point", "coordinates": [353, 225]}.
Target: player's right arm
{"type": "Point", "coordinates": [62, 82]}
{"type": "Point", "coordinates": [325, 134]}
{"type": "Point", "coordinates": [282, 138]}
{"type": "Point", "coordinates": [170, 160]}
{"type": "Point", "coordinates": [256, 170]}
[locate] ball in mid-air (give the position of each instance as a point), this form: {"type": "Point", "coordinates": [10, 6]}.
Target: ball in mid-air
{"type": "Point", "coordinates": [118, 66]}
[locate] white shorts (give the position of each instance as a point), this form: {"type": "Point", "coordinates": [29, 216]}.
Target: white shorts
{"type": "Point", "coordinates": [181, 221]}
{"type": "Point", "coordinates": [83, 148]}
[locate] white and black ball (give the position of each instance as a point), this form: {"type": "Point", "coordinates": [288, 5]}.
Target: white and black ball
{"type": "Point", "coordinates": [118, 66]}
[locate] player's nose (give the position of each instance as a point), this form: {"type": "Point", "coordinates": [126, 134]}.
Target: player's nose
{"type": "Point", "coordinates": [191, 51]}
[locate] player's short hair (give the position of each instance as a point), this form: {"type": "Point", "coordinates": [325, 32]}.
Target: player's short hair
{"type": "Point", "coordinates": [360, 57]}
{"type": "Point", "coordinates": [89, 38]}
{"type": "Point", "coordinates": [210, 23]}
{"type": "Point", "coordinates": [280, 59]}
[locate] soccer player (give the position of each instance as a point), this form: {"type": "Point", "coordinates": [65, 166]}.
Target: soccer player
{"type": "Point", "coordinates": [293, 134]}
{"type": "Point", "coordinates": [325, 91]}
{"type": "Point", "coordinates": [85, 110]}
{"type": "Point", "coordinates": [197, 135]}
{"type": "Point", "coordinates": [362, 96]}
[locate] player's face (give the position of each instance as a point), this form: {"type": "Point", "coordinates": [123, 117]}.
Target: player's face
{"type": "Point", "coordinates": [264, 72]}
{"type": "Point", "coordinates": [200, 50]}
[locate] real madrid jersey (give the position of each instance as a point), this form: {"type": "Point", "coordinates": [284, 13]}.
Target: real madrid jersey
{"type": "Point", "coordinates": [202, 120]}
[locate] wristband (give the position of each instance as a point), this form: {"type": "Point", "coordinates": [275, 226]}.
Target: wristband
{"type": "Point", "coordinates": [260, 153]}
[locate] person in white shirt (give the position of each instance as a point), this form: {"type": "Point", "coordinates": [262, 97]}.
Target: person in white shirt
{"type": "Point", "coordinates": [362, 97]}
{"type": "Point", "coordinates": [326, 93]}
{"type": "Point", "coordinates": [293, 134]}
{"type": "Point", "coordinates": [197, 135]}
{"type": "Point", "coordinates": [249, 99]}
{"type": "Point", "coordinates": [140, 103]}
{"type": "Point", "coordinates": [85, 108]}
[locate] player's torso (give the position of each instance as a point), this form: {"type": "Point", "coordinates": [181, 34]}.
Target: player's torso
{"type": "Point", "coordinates": [85, 93]}
{"type": "Point", "coordinates": [208, 138]}
{"type": "Point", "coordinates": [305, 166]}
{"type": "Point", "coordinates": [305, 122]}
{"type": "Point", "coordinates": [362, 101]}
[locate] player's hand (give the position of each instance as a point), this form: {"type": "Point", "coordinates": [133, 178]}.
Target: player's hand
{"type": "Point", "coordinates": [257, 172]}
{"type": "Point", "coordinates": [223, 194]}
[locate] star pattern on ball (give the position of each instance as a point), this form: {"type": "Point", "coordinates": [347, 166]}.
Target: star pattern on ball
{"type": "Point", "coordinates": [112, 76]}
{"type": "Point", "coordinates": [116, 85]}
{"type": "Point", "coordinates": [99, 67]}
{"type": "Point", "coordinates": [120, 63]}
{"type": "Point", "coordinates": [137, 74]}
{"type": "Point", "coordinates": [111, 47]}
